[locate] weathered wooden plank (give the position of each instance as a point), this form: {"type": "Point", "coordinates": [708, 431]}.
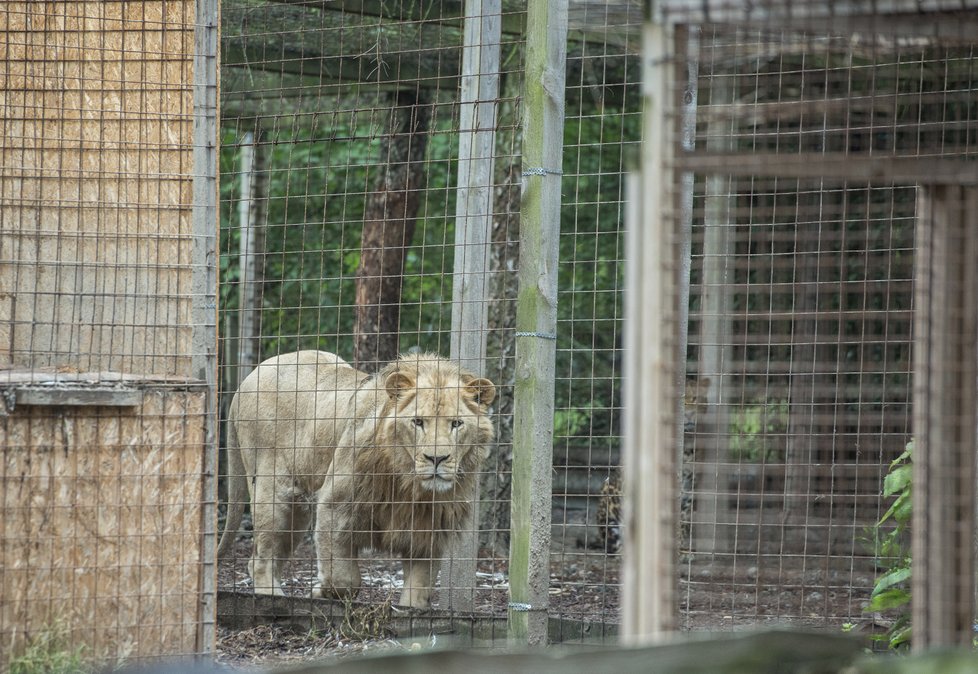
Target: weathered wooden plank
{"type": "Point", "coordinates": [204, 259]}
{"type": "Point", "coordinates": [84, 246]}
{"type": "Point", "coordinates": [945, 20]}
{"type": "Point", "coordinates": [91, 397]}
{"type": "Point", "coordinates": [292, 39]}
{"type": "Point", "coordinates": [715, 352]}
{"type": "Point", "coordinates": [18, 376]}
{"type": "Point", "coordinates": [649, 606]}
{"type": "Point", "coordinates": [945, 395]}
{"type": "Point", "coordinates": [536, 319]}
{"type": "Point", "coordinates": [479, 91]}
{"type": "Point", "coordinates": [837, 166]}
{"type": "Point", "coordinates": [101, 496]}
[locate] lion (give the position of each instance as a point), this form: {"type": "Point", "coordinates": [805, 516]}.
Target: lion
{"type": "Point", "coordinates": [390, 461]}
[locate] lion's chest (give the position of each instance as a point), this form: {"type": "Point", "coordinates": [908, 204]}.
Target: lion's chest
{"type": "Point", "coordinates": [415, 530]}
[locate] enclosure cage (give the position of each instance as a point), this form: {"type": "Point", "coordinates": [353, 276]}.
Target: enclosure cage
{"type": "Point", "coordinates": [792, 148]}
{"type": "Point", "coordinates": [813, 164]}
{"type": "Point", "coordinates": [713, 256]}
{"type": "Point", "coordinates": [373, 156]}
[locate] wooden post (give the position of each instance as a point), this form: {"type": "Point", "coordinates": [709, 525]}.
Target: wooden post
{"type": "Point", "coordinates": [650, 337]}
{"type": "Point", "coordinates": [687, 42]}
{"type": "Point", "coordinates": [536, 320]}
{"type": "Point", "coordinates": [251, 211]}
{"type": "Point", "coordinates": [503, 287]}
{"type": "Point", "coordinates": [473, 225]}
{"type": "Point", "coordinates": [944, 390]}
{"type": "Point", "coordinates": [712, 520]}
{"type": "Point", "coordinates": [206, 224]}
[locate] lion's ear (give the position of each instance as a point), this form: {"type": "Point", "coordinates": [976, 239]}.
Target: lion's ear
{"type": "Point", "coordinates": [482, 389]}
{"type": "Point", "coordinates": [398, 384]}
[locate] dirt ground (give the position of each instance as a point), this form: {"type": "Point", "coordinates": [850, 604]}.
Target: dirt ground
{"type": "Point", "coordinates": [585, 584]}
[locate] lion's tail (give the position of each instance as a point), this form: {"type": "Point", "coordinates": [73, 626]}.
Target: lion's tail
{"type": "Point", "coordinates": [237, 492]}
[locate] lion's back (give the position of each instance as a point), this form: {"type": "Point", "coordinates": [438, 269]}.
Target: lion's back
{"type": "Point", "coordinates": [276, 405]}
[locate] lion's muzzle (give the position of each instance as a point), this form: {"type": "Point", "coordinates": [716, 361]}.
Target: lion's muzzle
{"type": "Point", "coordinates": [435, 472]}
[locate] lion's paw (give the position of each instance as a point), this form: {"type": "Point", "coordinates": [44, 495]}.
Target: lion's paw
{"type": "Point", "coordinates": [321, 591]}
{"type": "Point", "coordinates": [419, 599]}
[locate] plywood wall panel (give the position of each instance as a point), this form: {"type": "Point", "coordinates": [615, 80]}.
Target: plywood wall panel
{"type": "Point", "coordinates": [102, 524]}
{"type": "Point", "coordinates": [96, 105]}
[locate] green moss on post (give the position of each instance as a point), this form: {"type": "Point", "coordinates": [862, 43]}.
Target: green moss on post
{"type": "Point", "coordinates": [536, 320]}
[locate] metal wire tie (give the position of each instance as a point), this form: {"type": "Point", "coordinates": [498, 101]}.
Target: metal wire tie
{"type": "Point", "coordinates": [541, 335]}
{"type": "Point", "coordinates": [540, 171]}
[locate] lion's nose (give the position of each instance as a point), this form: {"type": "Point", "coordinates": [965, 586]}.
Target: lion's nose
{"type": "Point", "coordinates": [435, 460]}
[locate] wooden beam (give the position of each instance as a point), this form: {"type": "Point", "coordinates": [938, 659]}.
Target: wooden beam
{"type": "Point", "coordinates": [883, 168]}
{"type": "Point", "coordinates": [206, 224]}
{"type": "Point", "coordinates": [604, 23]}
{"type": "Point", "coordinates": [711, 530]}
{"type": "Point", "coordinates": [433, 68]}
{"type": "Point", "coordinates": [941, 20]}
{"type": "Point", "coordinates": [253, 198]}
{"type": "Point", "coordinates": [409, 47]}
{"type": "Point", "coordinates": [82, 397]}
{"type": "Point", "coordinates": [536, 320]}
{"type": "Point", "coordinates": [649, 608]}
{"type": "Point", "coordinates": [944, 398]}
{"type": "Point", "coordinates": [305, 40]}
{"type": "Point", "coordinates": [473, 225]}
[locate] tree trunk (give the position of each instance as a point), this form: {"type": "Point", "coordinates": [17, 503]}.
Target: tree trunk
{"type": "Point", "coordinates": [388, 227]}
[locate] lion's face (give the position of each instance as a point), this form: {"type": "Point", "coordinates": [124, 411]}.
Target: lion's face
{"type": "Point", "coordinates": [440, 426]}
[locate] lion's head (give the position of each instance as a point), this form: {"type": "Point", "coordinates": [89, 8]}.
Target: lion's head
{"type": "Point", "coordinates": [435, 421]}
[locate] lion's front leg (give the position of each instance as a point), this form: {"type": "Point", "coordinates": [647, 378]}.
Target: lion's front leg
{"type": "Point", "coordinates": [339, 572]}
{"type": "Point", "coordinates": [419, 577]}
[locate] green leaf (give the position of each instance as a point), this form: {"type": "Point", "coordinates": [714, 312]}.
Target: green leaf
{"type": "Point", "coordinates": [900, 509]}
{"type": "Point", "coordinates": [897, 480]}
{"type": "Point", "coordinates": [889, 599]}
{"type": "Point", "coordinates": [900, 637]}
{"type": "Point", "coordinates": [891, 578]}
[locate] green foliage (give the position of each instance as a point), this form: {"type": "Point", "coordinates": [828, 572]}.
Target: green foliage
{"type": "Point", "coordinates": [319, 180]}
{"type": "Point", "coordinates": [590, 273]}
{"type": "Point", "coordinates": [757, 432]}
{"type": "Point", "coordinates": [50, 652]}
{"type": "Point", "coordinates": [892, 589]}
{"type": "Point", "coordinates": [571, 422]}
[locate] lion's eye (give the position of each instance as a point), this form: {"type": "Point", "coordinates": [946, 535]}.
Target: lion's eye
{"type": "Point", "coordinates": [456, 423]}
{"type": "Point", "coordinates": [418, 421]}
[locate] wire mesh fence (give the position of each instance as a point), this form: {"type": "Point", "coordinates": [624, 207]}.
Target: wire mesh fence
{"type": "Point", "coordinates": [423, 342]}
{"type": "Point", "coordinates": [797, 390]}
{"type": "Point", "coordinates": [342, 211]}
{"type": "Point", "coordinates": [392, 132]}
{"type": "Point", "coordinates": [813, 137]}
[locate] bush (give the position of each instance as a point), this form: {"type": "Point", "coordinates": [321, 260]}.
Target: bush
{"type": "Point", "coordinates": [892, 548]}
{"type": "Point", "coordinates": [757, 431]}
{"type": "Point", "coordinates": [50, 652]}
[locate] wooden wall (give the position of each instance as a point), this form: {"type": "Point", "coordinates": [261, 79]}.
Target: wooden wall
{"type": "Point", "coordinates": [95, 184]}
{"type": "Point", "coordinates": [105, 510]}
{"type": "Point", "coordinates": [101, 525]}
